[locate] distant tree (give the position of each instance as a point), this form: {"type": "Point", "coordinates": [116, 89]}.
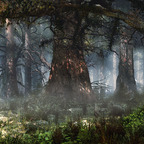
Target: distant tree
{"type": "Point", "coordinates": [11, 88]}
{"type": "Point", "coordinates": [28, 62]}
{"type": "Point", "coordinates": [125, 81]}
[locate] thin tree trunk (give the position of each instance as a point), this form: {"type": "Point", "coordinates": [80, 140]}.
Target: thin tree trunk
{"type": "Point", "coordinates": [11, 78]}
{"type": "Point", "coordinates": [114, 70]}
{"type": "Point", "coordinates": [102, 89]}
{"type": "Point", "coordinates": [143, 68]}
{"type": "Point", "coordinates": [27, 62]}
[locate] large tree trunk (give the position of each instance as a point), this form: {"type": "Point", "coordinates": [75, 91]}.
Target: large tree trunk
{"type": "Point", "coordinates": [11, 78]}
{"type": "Point", "coordinates": [69, 75]}
{"type": "Point", "coordinates": [125, 81]}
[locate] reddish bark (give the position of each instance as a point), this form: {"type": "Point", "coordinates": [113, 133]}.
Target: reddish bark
{"type": "Point", "coordinates": [69, 75]}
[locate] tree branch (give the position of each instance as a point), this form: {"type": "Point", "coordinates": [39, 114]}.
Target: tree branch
{"type": "Point", "coordinates": [48, 8]}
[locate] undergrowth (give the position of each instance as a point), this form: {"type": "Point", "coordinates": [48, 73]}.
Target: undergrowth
{"type": "Point", "coordinates": [32, 125]}
{"type": "Point", "coordinates": [126, 130]}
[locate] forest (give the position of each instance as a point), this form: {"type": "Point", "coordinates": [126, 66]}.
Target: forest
{"type": "Point", "coordinates": [71, 72]}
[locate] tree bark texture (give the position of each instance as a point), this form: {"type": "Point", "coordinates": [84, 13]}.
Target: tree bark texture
{"type": "Point", "coordinates": [69, 75]}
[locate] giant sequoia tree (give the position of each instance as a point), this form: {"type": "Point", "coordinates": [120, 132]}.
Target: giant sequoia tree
{"type": "Point", "coordinates": [69, 73]}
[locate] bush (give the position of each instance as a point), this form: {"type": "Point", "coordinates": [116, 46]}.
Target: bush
{"type": "Point", "coordinates": [135, 121]}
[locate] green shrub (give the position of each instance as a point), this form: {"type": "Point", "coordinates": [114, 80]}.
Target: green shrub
{"type": "Point", "coordinates": [135, 121]}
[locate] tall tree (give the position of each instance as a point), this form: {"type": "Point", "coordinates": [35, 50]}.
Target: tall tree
{"type": "Point", "coordinates": [125, 81]}
{"type": "Point", "coordinates": [69, 75]}
{"type": "Point", "coordinates": [11, 77]}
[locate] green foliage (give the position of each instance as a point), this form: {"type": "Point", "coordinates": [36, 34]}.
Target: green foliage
{"type": "Point", "coordinates": [45, 137]}
{"type": "Point", "coordinates": [135, 120]}
{"type": "Point", "coordinates": [17, 128]}
{"type": "Point", "coordinates": [102, 132]}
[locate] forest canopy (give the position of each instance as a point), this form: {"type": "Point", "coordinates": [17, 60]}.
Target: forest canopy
{"type": "Point", "coordinates": [37, 8]}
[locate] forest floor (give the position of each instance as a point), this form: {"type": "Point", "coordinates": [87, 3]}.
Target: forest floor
{"type": "Point", "coordinates": [126, 130]}
{"type": "Point", "coordinates": [30, 122]}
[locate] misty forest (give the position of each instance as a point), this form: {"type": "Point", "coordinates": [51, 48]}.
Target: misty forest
{"type": "Point", "coordinates": [71, 72]}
